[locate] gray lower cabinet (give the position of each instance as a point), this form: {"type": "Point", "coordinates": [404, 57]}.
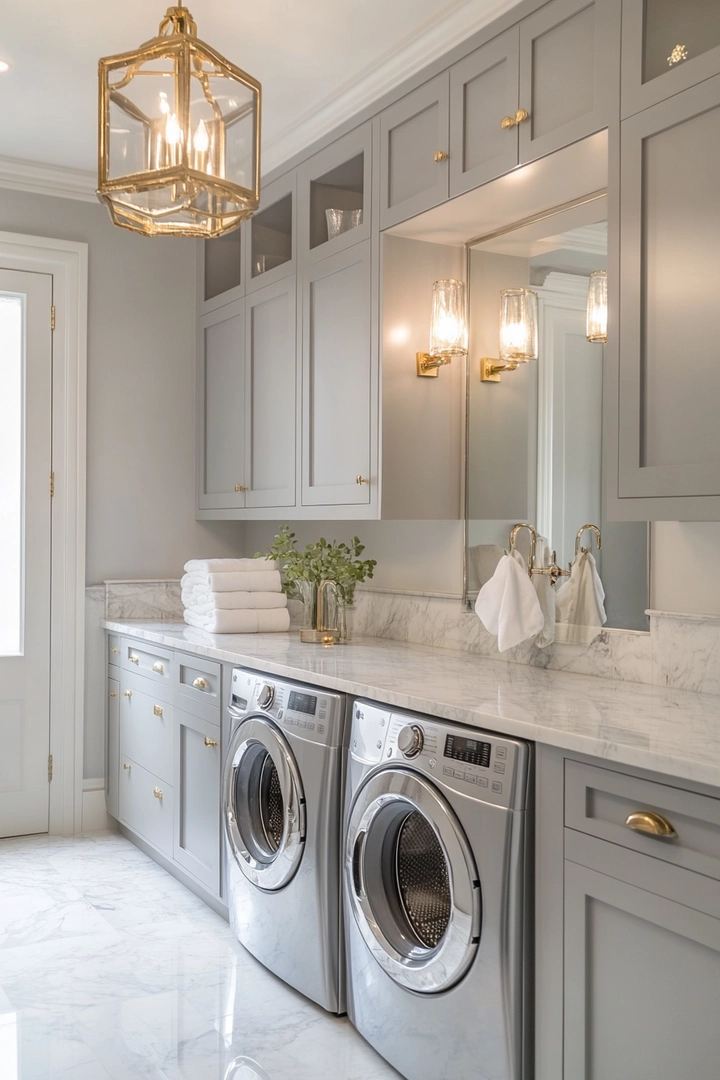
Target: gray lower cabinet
{"type": "Point", "coordinates": [669, 378]}
{"type": "Point", "coordinates": [196, 835]}
{"type": "Point", "coordinates": [112, 742]}
{"type": "Point", "coordinates": [220, 403]}
{"type": "Point", "coordinates": [146, 805]}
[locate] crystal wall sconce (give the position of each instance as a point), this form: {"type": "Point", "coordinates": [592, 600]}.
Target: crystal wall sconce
{"type": "Point", "coordinates": [518, 334]}
{"type": "Point", "coordinates": [448, 327]}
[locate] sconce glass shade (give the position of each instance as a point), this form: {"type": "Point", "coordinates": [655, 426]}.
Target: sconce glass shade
{"type": "Point", "coordinates": [179, 136]}
{"type": "Point", "coordinates": [448, 326]}
{"type": "Point", "coordinates": [518, 325]}
{"type": "Point", "coordinates": [597, 307]}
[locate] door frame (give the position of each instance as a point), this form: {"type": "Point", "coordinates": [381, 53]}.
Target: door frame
{"type": "Point", "coordinates": [67, 262]}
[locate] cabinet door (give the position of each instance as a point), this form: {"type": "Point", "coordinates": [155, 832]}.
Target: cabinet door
{"type": "Point", "coordinates": [337, 178]}
{"type": "Point", "coordinates": [414, 138]}
{"type": "Point", "coordinates": [641, 982]}
{"type": "Point", "coordinates": [670, 320]}
{"type": "Point", "coordinates": [270, 246]}
{"type": "Point", "coordinates": [220, 270]}
{"type": "Point", "coordinates": [483, 92]}
{"type": "Point", "coordinates": [112, 748]}
{"type": "Point", "coordinates": [196, 835]}
{"type": "Point", "coordinates": [568, 50]}
{"type": "Point", "coordinates": [337, 358]}
{"type": "Point", "coordinates": [220, 397]}
{"type": "Point", "coordinates": [270, 394]}
{"type": "Point", "coordinates": [666, 47]}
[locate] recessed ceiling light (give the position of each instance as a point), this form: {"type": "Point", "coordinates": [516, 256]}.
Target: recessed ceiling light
{"type": "Point", "coordinates": [3, 66]}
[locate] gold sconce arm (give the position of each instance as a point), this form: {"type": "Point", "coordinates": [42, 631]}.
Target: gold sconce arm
{"type": "Point", "coordinates": [490, 369]}
{"type": "Point", "coordinates": [429, 365]}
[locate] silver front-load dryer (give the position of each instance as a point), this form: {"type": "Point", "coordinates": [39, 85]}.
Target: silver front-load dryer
{"type": "Point", "coordinates": [435, 869]}
{"type": "Point", "coordinates": [282, 807]}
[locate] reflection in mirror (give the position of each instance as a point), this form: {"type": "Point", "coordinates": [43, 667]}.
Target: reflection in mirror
{"type": "Point", "coordinates": [534, 436]}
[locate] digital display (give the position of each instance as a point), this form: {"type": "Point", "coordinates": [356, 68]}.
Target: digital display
{"type": "Point", "coordinates": [303, 703]}
{"type": "Point", "coordinates": [468, 750]}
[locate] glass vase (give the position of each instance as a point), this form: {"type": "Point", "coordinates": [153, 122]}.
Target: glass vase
{"type": "Point", "coordinates": [307, 593]}
{"type": "Point", "coordinates": [345, 621]}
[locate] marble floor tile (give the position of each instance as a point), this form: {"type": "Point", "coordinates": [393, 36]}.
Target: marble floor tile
{"type": "Point", "coordinates": [111, 970]}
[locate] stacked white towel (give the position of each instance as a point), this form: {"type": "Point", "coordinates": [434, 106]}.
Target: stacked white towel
{"type": "Point", "coordinates": [234, 596]}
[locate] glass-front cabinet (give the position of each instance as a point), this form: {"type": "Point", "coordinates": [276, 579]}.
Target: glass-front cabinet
{"type": "Point", "coordinates": [221, 271]}
{"type": "Point", "coordinates": [271, 236]}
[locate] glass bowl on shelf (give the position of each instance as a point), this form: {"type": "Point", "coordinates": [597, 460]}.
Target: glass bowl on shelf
{"type": "Point", "coordinates": [340, 221]}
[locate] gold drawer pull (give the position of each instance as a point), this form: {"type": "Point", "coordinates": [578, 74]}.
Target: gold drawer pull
{"type": "Point", "coordinates": [134, 659]}
{"type": "Point", "coordinates": [158, 668]}
{"type": "Point", "coordinates": [361, 479]}
{"type": "Point", "coordinates": [513, 121]}
{"type": "Point", "coordinates": [126, 766]}
{"type": "Point", "coordinates": [113, 649]}
{"type": "Point", "coordinates": [646, 821]}
{"type": "Point", "coordinates": [200, 683]}
{"type": "Point", "coordinates": [157, 792]}
{"type": "Point", "coordinates": [210, 742]}
{"type": "Point", "coordinates": [127, 693]}
{"type": "Point", "coordinates": [113, 694]}
{"type": "Point", "coordinates": [440, 156]}
{"type": "Point", "coordinates": [157, 710]}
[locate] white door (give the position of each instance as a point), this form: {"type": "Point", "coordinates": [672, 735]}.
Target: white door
{"type": "Point", "coordinates": [25, 524]}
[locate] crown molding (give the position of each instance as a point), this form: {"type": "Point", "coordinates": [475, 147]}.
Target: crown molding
{"type": "Point", "coordinates": [39, 179]}
{"type": "Point", "coordinates": [434, 38]}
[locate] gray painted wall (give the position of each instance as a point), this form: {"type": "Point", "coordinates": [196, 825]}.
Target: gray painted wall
{"type": "Point", "coordinates": [141, 348]}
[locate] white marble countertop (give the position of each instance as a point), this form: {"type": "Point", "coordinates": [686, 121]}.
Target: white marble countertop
{"type": "Point", "coordinates": [676, 732]}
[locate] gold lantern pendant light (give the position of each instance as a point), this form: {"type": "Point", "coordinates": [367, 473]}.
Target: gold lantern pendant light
{"type": "Point", "coordinates": [179, 145]}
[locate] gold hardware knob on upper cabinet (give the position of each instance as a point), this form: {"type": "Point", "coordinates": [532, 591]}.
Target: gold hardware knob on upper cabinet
{"type": "Point", "coordinates": [157, 710]}
{"type": "Point", "coordinates": [157, 792]}
{"type": "Point", "coordinates": [240, 487]}
{"type": "Point", "coordinates": [113, 649]}
{"type": "Point", "coordinates": [113, 694]}
{"type": "Point", "coordinates": [521, 115]}
{"type": "Point", "coordinates": [134, 659]}
{"type": "Point", "coordinates": [126, 766]}
{"type": "Point", "coordinates": [210, 742]}
{"type": "Point", "coordinates": [200, 683]}
{"type": "Point", "coordinates": [440, 155]}
{"type": "Point", "coordinates": [650, 823]}
{"type": "Point", "coordinates": [127, 693]}
{"type": "Point", "coordinates": [513, 121]}
{"type": "Point", "coordinates": [361, 479]}
{"type": "Point", "coordinates": [159, 668]}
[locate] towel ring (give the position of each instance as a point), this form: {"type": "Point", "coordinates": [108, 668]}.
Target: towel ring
{"type": "Point", "coordinates": [578, 538]}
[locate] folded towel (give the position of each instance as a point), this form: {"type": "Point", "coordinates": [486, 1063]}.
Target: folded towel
{"type": "Point", "coordinates": [202, 600]}
{"type": "Point", "coordinates": [482, 563]}
{"type": "Point", "coordinates": [580, 603]}
{"type": "Point", "coordinates": [241, 622]}
{"type": "Point", "coordinates": [545, 593]}
{"type": "Point", "coordinates": [235, 581]}
{"type": "Point", "coordinates": [508, 605]}
{"type": "Point", "coordinates": [229, 566]}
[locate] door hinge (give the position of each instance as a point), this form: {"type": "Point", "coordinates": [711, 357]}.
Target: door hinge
{"type": "Point", "coordinates": [50, 768]}
{"type": "Point", "coordinates": [52, 317]}
{"type": "Point", "coordinates": [52, 485]}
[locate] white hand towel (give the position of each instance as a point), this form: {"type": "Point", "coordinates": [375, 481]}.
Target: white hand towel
{"type": "Point", "coordinates": [241, 622]}
{"type": "Point", "coordinates": [204, 600]}
{"type": "Point", "coordinates": [580, 603]}
{"type": "Point", "coordinates": [482, 563]}
{"type": "Point", "coordinates": [235, 581]}
{"type": "Point", "coordinates": [229, 566]}
{"type": "Point", "coordinates": [508, 605]}
{"type": "Point", "coordinates": [545, 593]}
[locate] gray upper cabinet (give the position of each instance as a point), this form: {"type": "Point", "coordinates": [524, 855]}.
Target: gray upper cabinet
{"type": "Point", "coordinates": [271, 243]}
{"type": "Point", "coordinates": [337, 178]}
{"type": "Point", "coordinates": [270, 395]}
{"type": "Point", "coordinates": [483, 92]}
{"type": "Point", "coordinates": [220, 403]}
{"type": "Point", "coordinates": [669, 377]}
{"type": "Point", "coordinates": [337, 380]}
{"type": "Point", "coordinates": [667, 47]}
{"type": "Point", "coordinates": [221, 276]}
{"type": "Point", "coordinates": [414, 152]}
{"type": "Point", "coordinates": [568, 53]}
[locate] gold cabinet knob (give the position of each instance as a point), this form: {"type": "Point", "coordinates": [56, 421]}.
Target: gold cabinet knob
{"type": "Point", "coordinates": [200, 683]}
{"type": "Point", "coordinates": [134, 659]}
{"type": "Point", "coordinates": [126, 766]}
{"type": "Point", "coordinates": [157, 792]}
{"type": "Point", "coordinates": [113, 649]}
{"type": "Point", "coordinates": [127, 693]}
{"type": "Point", "coordinates": [513, 121]}
{"type": "Point", "coordinates": [210, 742]}
{"type": "Point", "coordinates": [240, 487]}
{"type": "Point", "coordinates": [113, 694]}
{"type": "Point", "coordinates": [650, 823]}
{"type": "Point", "coordinates": [158, 668]}
{"type": "Point", "coordinates": [361, 479]}
{"type": "Point", "coordinates": [440, 156]}
{"type": "Point", "coordinates": [157, 710]}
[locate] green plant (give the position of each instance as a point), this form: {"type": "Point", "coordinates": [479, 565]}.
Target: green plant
{"type": "Point", "coordinates": [322, 560]}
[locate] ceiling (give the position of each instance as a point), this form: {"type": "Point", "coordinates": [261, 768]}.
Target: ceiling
{"type": "Point", "coordinates": [319, 62]}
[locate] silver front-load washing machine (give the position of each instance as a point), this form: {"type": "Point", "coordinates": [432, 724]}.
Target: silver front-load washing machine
{"type": "Point", "coordinates": [282, 809]}
{"type": "Point", "coordinates": [436, 861]}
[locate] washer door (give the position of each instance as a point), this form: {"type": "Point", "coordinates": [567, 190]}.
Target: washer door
{"type": "Point", "coordinates": [263, 804]}
{"type": "Point", "coordinates": [412, 881]}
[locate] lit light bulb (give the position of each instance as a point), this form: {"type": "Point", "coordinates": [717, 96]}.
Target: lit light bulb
{"type": "Point", "coordinates": [164, 106]}
{"type": "Point", "coordinates": [173, 134]}
{"type": "Point", "coordinates": [514, 336]}
{"type": "Point", "coordinates": [201, 139]}
{"type": "Point", "coordinates": [4, 67]}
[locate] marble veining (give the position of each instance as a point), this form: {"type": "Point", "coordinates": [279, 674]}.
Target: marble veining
{"type": "Point", "coordinates": [686, 651]}
{"type": "Point", "coordinates": [111, 970]}
{"type": "Point", "coordinates": [662, 729]}
{"type": "Point", "coordinates": [143, 600]}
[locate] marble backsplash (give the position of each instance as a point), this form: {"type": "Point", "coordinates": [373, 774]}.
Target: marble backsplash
{"type": "Point", "coordinates": [143, 600]}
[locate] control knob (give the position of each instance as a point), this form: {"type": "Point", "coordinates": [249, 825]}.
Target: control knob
{"type": "Point", "coordinates": [266, 696]}
{"type": "Point", "coordinates": [410, 740]}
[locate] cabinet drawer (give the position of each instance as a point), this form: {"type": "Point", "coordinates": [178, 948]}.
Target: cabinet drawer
{"type": "Point", "coordinates": [599, 801]}
{"type": "Point", "coordinates": [113, 649]}
{"type": "Point", "coordinates": [197, 689]}
{"type": "Point", "coordinates": [146, 805]}
{"type": "Point", "coordinates": [146, 731]}
{"type": "Point", "coordinates": [152, 661]}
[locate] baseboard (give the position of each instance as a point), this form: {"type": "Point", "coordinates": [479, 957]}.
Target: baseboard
{"type": "Point", "coordinates": [94, 815]}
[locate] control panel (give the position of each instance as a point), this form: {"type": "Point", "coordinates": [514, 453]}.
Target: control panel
{"type": "Point", "coordinates": [310, 713]}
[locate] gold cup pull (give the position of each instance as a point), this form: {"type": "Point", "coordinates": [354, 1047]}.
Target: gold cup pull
{"type": "Point", "coordinates": [651, 824]}
{"type": "Point", "coordinates": [158, 668]}
{"type": "Point", "coordinates": [126, 766]}
{"type": "Point", "coordinates": [127, 693]}
{"type": "Point", "coordinates": [157, 792]}
{"type": "Point", "coordinates": [134, 659]}
{"type": "Point", "coordinates": [440, 156]}
{"type": "Point", "coordinates": [362, 479]}
{"type": "Point", "coordinates": [200, 683]}
{"type": "Point", "coordinates": [157, 710]}
{"type": "Point", "coordinates": [210, 742]}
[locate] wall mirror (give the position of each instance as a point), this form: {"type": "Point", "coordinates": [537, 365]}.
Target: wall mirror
{"type": "Point", "coordinates": [534, 438]}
